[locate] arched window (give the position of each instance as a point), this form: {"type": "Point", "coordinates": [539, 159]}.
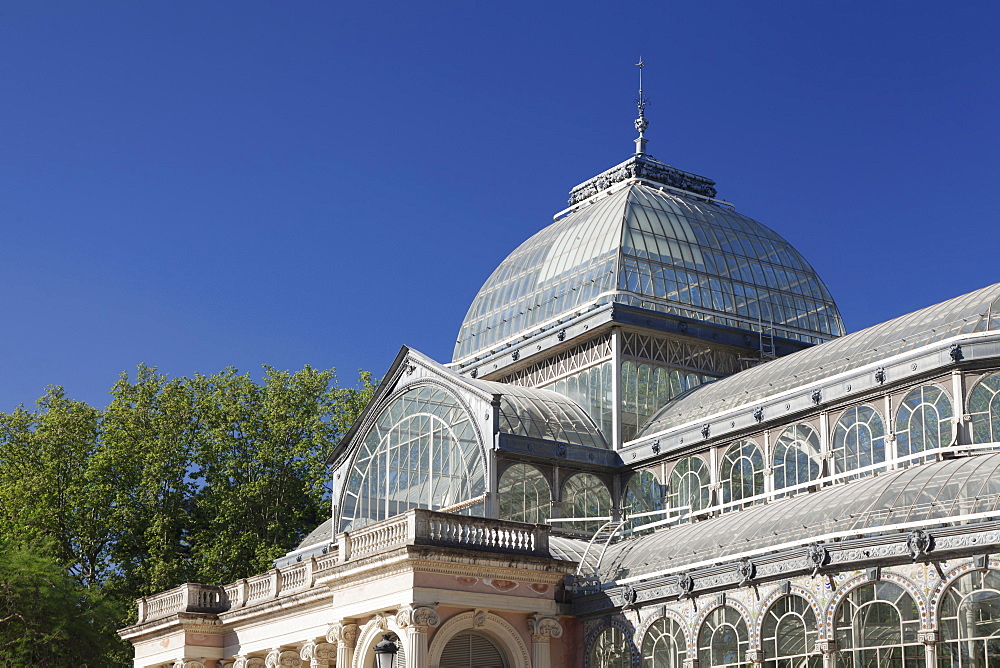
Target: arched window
{"type": "Point", "coordinates": [422, 452]}
{"type": "Point", "coordinates": [984, 406]}
{"type": "Point", "coordinates": [664, 645]}
{"type": "Point", "coordinates": [797, 456]}
{"type": "Point", "coordinates": [742, 472]}
{"type": "Point", "coordinates": [723, 639]}
{"type": "Point", "coordinates": [923, 421]}
{"type": "Point", "coordinates": [858, 439]}
{"type": "Point", "coordinates": [642, 495]}
{"type": "Point", "coordinates": [470, 649]}
{"type": "Point", "coordinates": [970, 621]}
{"type": "Point", "coordinates": [524, 495]}
{"type": "Point", "coordinates": [610, 650]}
{"type": "Point", "coordinates": [584, 495]}
{"type": "Point", "coordinates": [788, 635]}
{"type": "Point", "coordinates": [877, 625]}
{"type": "Point", "coordinates": [689, 484]}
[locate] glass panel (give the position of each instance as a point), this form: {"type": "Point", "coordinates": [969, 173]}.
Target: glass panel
{"type": "Point", "coordinates": [584, 495]}
{"type": "Point", "coordinates": [984, 406]}
{"type": "Point", "coordinates": [877, 624]}
{"type": "Point", "coordinates": [423, 435]}
{"type": "Point", "coordinates": [858, 439]}
{"type": "Point", "coordinates": [642, 495]}
{"type": "Point", "coordinates": [797, 456]}
{"type": "Point", "coordinates": [723, 639]}
{"type": "Point", "coordinates": [689, 485]}
{"type": "Point", "coordinates": [924, 421]}
{"type": "Point", "coordinates": [610, 650]}
{"type": "Point", "coordinates": [591, 390]}
{"type": "Point", "coordinates": [664, 645]}
{"type": "Point", "coordinates": [789, 630]}
{"type": "Point", "coordinates": [742, 472]}
{"type": "Point", "coordinates": [524, 495]}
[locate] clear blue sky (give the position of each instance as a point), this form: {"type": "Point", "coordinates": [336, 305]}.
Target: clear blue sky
{"type": "Point", "coordinates": [196, 185]}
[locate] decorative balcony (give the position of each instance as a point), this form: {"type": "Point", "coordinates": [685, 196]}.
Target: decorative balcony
{"type": "Point", "coordinates": [415, 527]}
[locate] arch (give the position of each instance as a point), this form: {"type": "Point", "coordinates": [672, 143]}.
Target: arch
{"type": "Point", "coordinates": [371, 634]}
{"type": "Point", "coordinates": [524, 494]}
{"type": "Point", "coordinates": [587, 496]}
{"type": "Point", "coordinates": [423, 449]}
{"type": "Point", "coordinates": [689, 484]}
{"type": "Point", "coordinates": [744, 611]}
{"type": "Point", "coordinates": [934, 600]}
{"type": "Point", "coordinates": [796, 458]}
{"type": "Point", "coordinates": [858, 439]}
{"type": "Point", "coordinates": [969, 620]}
{"type": "Point", "coordinates": [789, 628]}
{"type": "Point", "coordinates": [724, 637]}
{"type": "Point", "coordinates": [877, 622]}
{"type": "Point", "coordinates": [496, 628]}
{"type": "Point", "coordinates": [794, 590]}
{"type": "Point", "coordinates": [664, 631]}
{"type": "Point", "coordinates": [642, 494]}
{"type": "Point", "coordinates": [849, 585]}
{"type": "Point", "coordinates": [923, 421]}
{"type": "Point", "coordinates": [984, 407]}
{"type": "Point", "coordinates": [741, 472]}
{"type": "Point", "coordinates": [609, 638]}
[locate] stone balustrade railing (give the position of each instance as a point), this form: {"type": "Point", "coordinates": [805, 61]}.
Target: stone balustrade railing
{"type": "Point", "coordinates": [415, 527]}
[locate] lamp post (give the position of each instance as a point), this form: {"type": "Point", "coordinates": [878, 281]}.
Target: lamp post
{"type": "Point", "coordinates": [385, 652]}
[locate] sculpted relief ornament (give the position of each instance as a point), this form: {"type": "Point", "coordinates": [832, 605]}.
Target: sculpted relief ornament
{"type": "Point", "coordinates": [277, 658]}
{"type": "Point", "coordinates": [544, 627]}
{"type": "Point", "coordinates": [248, 662]}
{"type": "Point", "coordinates": [344, 634]}
{"type": "Point", "coordinates": [417, 615]}
{"type": "Point", "coordinates": [318, 653]}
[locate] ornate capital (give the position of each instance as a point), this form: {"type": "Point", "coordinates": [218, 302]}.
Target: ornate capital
{"type": "Point", "coordinates": [188, 663]}
{"type": "Point", "coordinates": [544, 627]}
{"type": "Point", "coordinates": [928, 637]}
{"type": "Point", "coordinates": [827, 646]}
{"type": "Point", "coordinates": [418, 616]}
{"type": "Point", "coordinates": [278, 658]}
{"type": "Point", "coordinates": [755, 656]}
{"type": "Point", "coordinates": [345, 634]}
{"type": "Point", "coordinates": [249, 662]}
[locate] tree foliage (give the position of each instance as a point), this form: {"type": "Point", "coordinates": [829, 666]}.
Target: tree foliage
{"type": "Point", "coordinates": [206, 479]}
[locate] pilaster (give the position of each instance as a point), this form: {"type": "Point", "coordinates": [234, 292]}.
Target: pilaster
{"type": "Point", "coordinates": [416, 620]}
{"type": "Point", "coordinates": [542, 629]}
{"type": "Point", "coordinates": [343, 634]}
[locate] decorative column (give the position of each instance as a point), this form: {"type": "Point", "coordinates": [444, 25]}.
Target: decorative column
{"type": "Point", "coordinates": [542, 629]}
{"type": "Point", "coordinates": [282, 658]}
{"type": "Point", "coordinates": [829, 651]}
{"type": "Point", "coordinates": [416, 619]}
{"type": "Point", "coordinates": [318, 654]}
{"type": "Point", "coordinates": [343, 634]}
{"type": "Point", "coordinates": [930, 641]}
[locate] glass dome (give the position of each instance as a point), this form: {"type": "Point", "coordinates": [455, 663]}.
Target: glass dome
{"type": "Point", "coordinates": [658, 249]}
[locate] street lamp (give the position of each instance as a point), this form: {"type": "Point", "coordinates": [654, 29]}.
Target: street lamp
{"type": "Point", "coordinates": [385, 652]}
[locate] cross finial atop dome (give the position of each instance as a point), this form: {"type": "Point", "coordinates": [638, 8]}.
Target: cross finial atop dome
{"type": "Point", "coordinates": [641, 123]}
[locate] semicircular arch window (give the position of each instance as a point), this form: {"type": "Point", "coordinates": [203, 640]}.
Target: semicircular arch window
{"type": "Point", "coordinates": [923, 421]}
{"type": "Point", "coordinates": [610, 650]}
{"type": "Point", "coordinates": [690, 485]}
{"type": "Point", "coordinates": [788, 634]}
{"type": "Point", "coordinates": [664, 645]}
{"type": "Point", "coordinates": [643, 495]}
{"type": "Point", "coordinates": [858, 439]}
{"type": "Point", "coordinates": [723, 639]}
{"type": "Point", "coordinates": [421, 452]}
{"type": "Point", "coordinates": [970, 620]}
{"type": "Point", "coordinates": [525, 495]}
{"type": "Point", "coordinates": [877, 624]}
{"type": "Point", "coordinates": [797, 456]}
{"type": "Point", "coordinates": [984, 407]}
{"type": "Point", "coordinates": [741, 473]}
{"type": "Point", "coordinates": [584, 495]}
{"type": "Point", "coordinates": [469, 649]}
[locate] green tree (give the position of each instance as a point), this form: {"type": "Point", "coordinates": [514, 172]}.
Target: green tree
{"type": "Point", "coordinates": [47, 618]}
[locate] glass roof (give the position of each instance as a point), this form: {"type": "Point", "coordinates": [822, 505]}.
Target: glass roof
{"type": "Point", "coordinates": [659, 250]}
{"type": "Point", "coordinates": [939, 490]}
{"type": "Point", "coordinates": [543, 414]}
{"type": "Point", "coordinates": [977, 311]}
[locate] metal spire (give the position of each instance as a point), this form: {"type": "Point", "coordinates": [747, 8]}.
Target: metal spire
{"type": "Point", "coordinates": [641, 123]}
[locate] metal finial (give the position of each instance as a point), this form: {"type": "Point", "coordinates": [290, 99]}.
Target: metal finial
{"type": "Point", "coordinates": [641, 123]}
